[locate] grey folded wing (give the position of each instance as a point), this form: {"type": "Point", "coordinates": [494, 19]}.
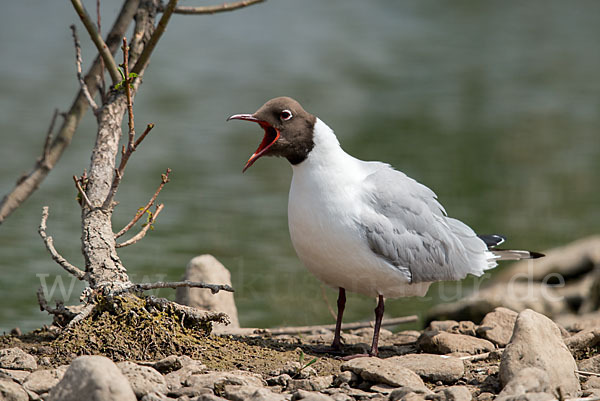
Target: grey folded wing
{"type": "Point", "coordinates": [406, 226]}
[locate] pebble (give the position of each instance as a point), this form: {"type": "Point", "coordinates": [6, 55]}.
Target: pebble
{"type": "Point", "coordinates": [16, 358]}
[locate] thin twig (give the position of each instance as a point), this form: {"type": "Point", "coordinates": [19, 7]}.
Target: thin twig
{"type": "Point", "coordinates": [49, 242]}
{"type": "Point", "coordinates": [109, 61]}
{"type": "Point", "coordinates": [82, 192]}
{"type": "Point", "coordinates": [86, 311]}
{"type": "Point", "coordinates": [127, 83]}
{"type": "Point", "coordinates": [63, 314]}
{"type": "Point", "coordinates": [82, 83]}
{"type": "Point", "coordinates": [142, 211]}
{"type": "Point", "coordinates": [125, 155]}
{"type": "Point", "coordinates": [214, 288]}
{"type": "Point", "coordinates": [144, 230]}
{"type": "Point", "coordinates": [216, 8]}
{"type": "Point", "coordinates": [583, 372]}
{"type": "Point", "coordinates": [309, 329]}
{"type": "Point", "coordinates": [152, 42]}
{"type": "Point", "coordinates": [99, 25]}
{"type": "Point", "coordinates": [48, 140]}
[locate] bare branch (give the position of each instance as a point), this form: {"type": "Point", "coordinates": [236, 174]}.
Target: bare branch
{"type": "Point", "coordinates": [48, 141]}
{"type": "Point", "coordinates": [215, 9]}
{"type": "Point", "coordinates": [214, 288]}
{"type": "Point", "coordinates": [109, 61]}
{"type": "Point", "coordinates": [142, 211]}
{"type": "Point", "coordinates": [31, 180]}
{"type": "Point", "coordinates": [310, 329]}
{"type": "Point", "coordinates": [141, 138]}
{"type": "Point", "coordinates": [84, 196]}
{"type": "Point", "coordinates": [63, 314]}
{"type": "Point", "coordinates": [196, 315]}
{"type": "Point", "coordinates": [78, 59]}
{"type": "Point", "coordinates": [127, 83]}
{"type": "Point", "coordinates": [87, 310]}
{"type": "Point", "coordinates": [49, 242]}
{"type": "Point", "coordinates": [144, 230]}
{"type": "Point", "coordinates": [160, 29]}
{"type": "Point", "coordinates": [125, 155]}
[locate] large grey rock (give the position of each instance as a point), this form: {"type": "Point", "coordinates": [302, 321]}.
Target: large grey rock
{"type": "Point", "coordinates": [208, 269]}
{"type": "Point", "coordinates": [537, 342]}
{"type": "Point", "coordinates": [41, 381]}
{"type": "Point", "coordinates": [431, 367]}
{"type": "Point", "coordinates": [92, 378]}
{"type": "Point", "coordinates": [528, 380]}
{"type": "Point", "coordinates": [143, 379]}
{"type": "Point", "coordinates": [16, 358]}
{"type": "Point", "coordinates": [235, 392]}
{"type": "Point", "coordinates": [383, 371]}
{"type": "Point", "coordinates": [11, 391]}
{"type": "Point", "coordinates": [442, 342]}
{"type": "Point", "coordinates": [497, 326]}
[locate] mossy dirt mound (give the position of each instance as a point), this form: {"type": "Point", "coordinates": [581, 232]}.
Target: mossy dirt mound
{"type": "Point", "coordinates": [129, 327]}
{"type": "Point", "coordinates": [133, 328]}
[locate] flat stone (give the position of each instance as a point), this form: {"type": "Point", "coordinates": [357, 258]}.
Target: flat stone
{"type": "Point", "coordinates": [454, 393]}
{"type": "Point", "coordinates": [16, 358]}
{"type": "Point", "coordinates": [143, 379]}
{"type": "Point", "coordinates": [382, 371]}
{"type": "Point", "coordinates": [313, 384]}
{"type": "Point", "coordinates": [18, 376]}
{"type": "Point", "coordinates": [584, 339]}
{"type": "Point", "coordinates": [497, 326]}
{"type": "Point", "coordinates": [590, 364]}
{"type": "Point", "coordinates": [11, 391]}
{"type": "Point", "coordinates": [245, 392]}
{"type": "Point", "coordinates": [592, 382]}
{"type": "Point", "coordinates": [218, 380]}
{"type": "Point", "coordinates": [537, 342]}
{"type": "Point", "coordinates": [189, 367]}
{"type": "Point", "coordinates": [405, 337]}
{"type": "Point", "coordinates": [441, 342]}
{"type": "Point", "coordinates": [528, 380]}
{"type": "Point", "coordinates": [310, 396]}
{"type": "Point", "coordinates": [41, 381]}
{"type": "Point", "coordinates": [442, 325]}
{"type": "Point", "coordinates": [432, 367]}
{"type": "Point", "coordinates": [94, 378]}
{"type": "Point", "coordinates": [407, 394]}
{"type": "Point", "coordinates": [206, 268]}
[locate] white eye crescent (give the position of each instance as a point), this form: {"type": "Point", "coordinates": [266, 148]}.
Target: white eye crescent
{"type": "Point", "coordinates": [286, 115]}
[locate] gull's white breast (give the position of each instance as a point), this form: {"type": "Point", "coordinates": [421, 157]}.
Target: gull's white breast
{"type": "Point", "coordinates": [325, 206]}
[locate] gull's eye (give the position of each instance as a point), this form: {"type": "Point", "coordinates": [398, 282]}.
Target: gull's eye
{"type": "Point", "coordinates": [285, 115]}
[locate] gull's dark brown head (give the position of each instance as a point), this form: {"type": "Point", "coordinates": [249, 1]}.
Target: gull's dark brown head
{"type": "Point", "coordinates": [288, 130]}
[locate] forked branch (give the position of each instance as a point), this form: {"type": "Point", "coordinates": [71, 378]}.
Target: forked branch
{"type": "Point", "coordinates": [216, 8]}
{"type": "Point", "coordinates": [49, 242]}
{"type": "Point", "coordinates": [82, 84]}
{"type": "Point", "coordinates": [144, 229]}
{"type": "Point", "coordinates": [214, 288]}
{"type": "Point", "coordinates": [164, 179]}
{"type": "Point", "coordinates": [109, 61]}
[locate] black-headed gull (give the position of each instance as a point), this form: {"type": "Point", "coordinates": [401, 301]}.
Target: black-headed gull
{"type": "Point", "coordinates": [363, 226]}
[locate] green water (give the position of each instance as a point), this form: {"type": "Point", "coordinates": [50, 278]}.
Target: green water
{"type": "Point", "coordinates": [495, 105]}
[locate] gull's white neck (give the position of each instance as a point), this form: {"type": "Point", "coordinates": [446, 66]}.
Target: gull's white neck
{"type": "Point", "coordinates": [327, 157]}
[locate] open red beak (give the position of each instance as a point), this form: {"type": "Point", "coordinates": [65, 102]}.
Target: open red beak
{"type": "Point", "coordinates": [271, 136]}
